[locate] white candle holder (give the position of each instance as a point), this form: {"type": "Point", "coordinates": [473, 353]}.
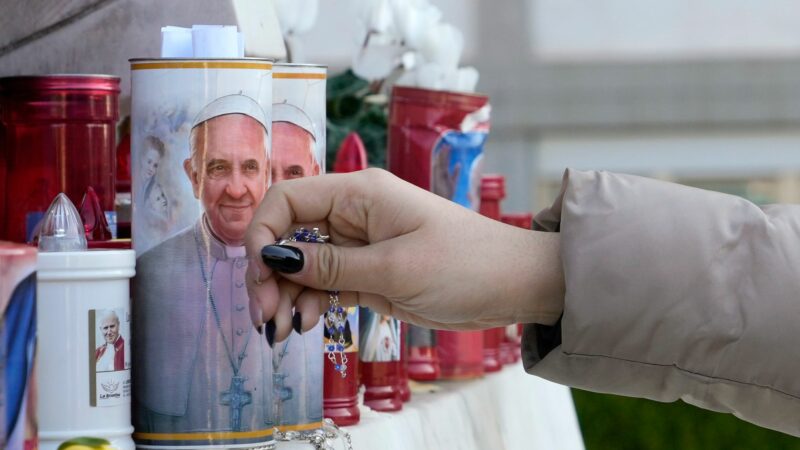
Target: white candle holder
{"type": "Point", "coordinates": [83, 360]}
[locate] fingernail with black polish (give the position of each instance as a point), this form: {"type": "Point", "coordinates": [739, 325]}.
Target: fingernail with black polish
{"type": "Point", "coordinates": [282, 258]}
{"type": "Point", "coordinates": [270, 332]}
{"type": "Point", "coordinates": [260, 329]}
{"type": "Point", "coordinates": [297, 322]}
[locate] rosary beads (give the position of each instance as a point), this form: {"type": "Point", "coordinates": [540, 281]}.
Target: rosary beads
{"type": "Point", "coordinates": [336, 316]}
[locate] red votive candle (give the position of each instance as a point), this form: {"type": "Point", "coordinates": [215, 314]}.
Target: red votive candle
{"type": "Point", "coordinates": [340, 394]}
{"type": "Point", "coordinates": [57, 134]}
{"type": "Point", "coordinates": [379, 357]}
{"type": "Point", "coordinates": [460, 354]}
{"type": "Point", "coordinates": [402, 385]}
{"type": "Point", "coordinates": [492, 191]}
{"type": "Point", "coordinates": [423, 359]}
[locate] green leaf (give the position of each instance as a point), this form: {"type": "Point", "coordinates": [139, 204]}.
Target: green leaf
{"type": "Point", "coordinates": [346, 83]}
{"type": "Point", "coordinates": [348, 111]}
{"type": "Point", "coordinates": [85, 441]}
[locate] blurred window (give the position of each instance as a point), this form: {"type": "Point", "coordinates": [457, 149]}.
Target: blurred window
{"type": "Point", "coordinates": [658, 29]}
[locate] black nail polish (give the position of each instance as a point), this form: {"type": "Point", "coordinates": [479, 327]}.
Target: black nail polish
{"type": "Point", "coordinates": [260, 329]}
{"type": "Point", "coordinates": [270, 332]}
{"type": "Point", "coordinates": [297, 322]}
{"type": "Point", "coordinates": [282, 258]}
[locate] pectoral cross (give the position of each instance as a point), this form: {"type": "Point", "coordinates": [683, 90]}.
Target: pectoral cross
{"type": "Point", "coordinates": [283, 392]}
{"type": "Point", "coordinates": [236, 398]}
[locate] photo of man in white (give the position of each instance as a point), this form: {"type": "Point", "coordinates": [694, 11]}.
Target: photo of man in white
{"type": "Point", "coordinates": [297, 364]}
{"type": "Point", "coordinates": [110, 355]}
{"type": "Point", "coordinates": [380, 341]}
{"type": "Point", "coordinates": [201, 366]}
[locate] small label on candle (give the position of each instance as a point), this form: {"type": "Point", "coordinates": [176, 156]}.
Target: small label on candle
{"type": "Point", "coordinates": [380, 337]}
{"type": "Point", "coordinates": [109, 357]}
{"type": "Point", "coordinates": [350, 331]}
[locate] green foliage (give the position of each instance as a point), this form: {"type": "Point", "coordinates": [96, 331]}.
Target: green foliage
{"type": "Point", "coordinates": [352, 107]}
{"type": "Point", "coordinates": [622, 423]}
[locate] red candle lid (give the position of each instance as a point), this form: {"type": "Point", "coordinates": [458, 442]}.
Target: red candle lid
{"type": "Point", "coordinates": [60, 82]}
{"type": "Point", "coordinates": [457, 100]}
{"type": "Point", "coordinates": [60, 97]}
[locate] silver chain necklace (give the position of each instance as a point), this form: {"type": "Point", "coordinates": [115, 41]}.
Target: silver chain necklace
{"type": "Point", "coordinates": [236, 397]}
{"type": "Point", "coordinates": [321, 439]}
{"type": "Point", "coordinates": [336, 316]}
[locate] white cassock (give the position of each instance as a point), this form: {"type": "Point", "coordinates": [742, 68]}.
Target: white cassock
{"type": "Point", "coordinates": [297, 377]}
{"type": "Point", "coordinates": [191, 344]}
{"type": "Point", "coordinates": [106, 361]}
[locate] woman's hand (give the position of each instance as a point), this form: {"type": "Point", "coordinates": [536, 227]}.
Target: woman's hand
{"type": "Point", "coordinates": [398, 250]}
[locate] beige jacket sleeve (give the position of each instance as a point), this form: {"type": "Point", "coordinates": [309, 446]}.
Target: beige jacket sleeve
{"type": "Point", "coordinates": [675, 293]}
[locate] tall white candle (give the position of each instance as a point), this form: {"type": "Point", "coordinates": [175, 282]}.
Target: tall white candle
{"type": "Point", "coordinates": [84, 323]}
{"type": "Point", "coordinates": [83, 310]}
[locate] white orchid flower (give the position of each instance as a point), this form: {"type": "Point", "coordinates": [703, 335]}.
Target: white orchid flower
{"type": "Point", "coordinates": [408, 34]}
{"type": "Point", "coordinates": [413, 19]}
{"type": "Point", "coordinates": [378, 59]}
{"type": "Point", "coordinates": [381, 51]}
{"type": "Point", "coordinates": [296, 16]}
{"type": "Point", "coordinates": [467, 79]}
{"type": "Point", "coordinates": [375, 16]}
{"type": "Point", "coordinates": [442, 44]}
{"type": "Point", "coordinates": [435, 76]}
{"type": "Point", "coordinates": [308, 17]}
{"type": "Point", "coordinates": [409, 60]}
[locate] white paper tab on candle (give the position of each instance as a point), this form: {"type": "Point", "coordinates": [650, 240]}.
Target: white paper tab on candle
{"type": "Point", "coordinates": [176, 42]}
{"type": "Point", "coordinates": [202, 41]}
{"type": "Point", "coordinates": [215, 41]}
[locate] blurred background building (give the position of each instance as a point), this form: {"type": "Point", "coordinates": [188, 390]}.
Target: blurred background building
{"type": "Point", "coordinates": [705, 92]}
{"type": "Point", "coordinates": [701, 92]}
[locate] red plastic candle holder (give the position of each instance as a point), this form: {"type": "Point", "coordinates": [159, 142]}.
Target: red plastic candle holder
{"type": "Point", "coordinates": [57, 134]}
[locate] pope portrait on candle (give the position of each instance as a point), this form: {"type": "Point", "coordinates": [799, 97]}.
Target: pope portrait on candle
{"type": "Point", "coordinates": [298, 359]}
{"type": "Point", "coordinates": [200, 365]}
{"type": "Point", "coordinates": [294, 143]}
{"type": "Point", "coordinates": [110, 356]}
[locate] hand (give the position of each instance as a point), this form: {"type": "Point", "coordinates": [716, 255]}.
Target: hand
{"type": "Point", "coordinates": [398, 250]}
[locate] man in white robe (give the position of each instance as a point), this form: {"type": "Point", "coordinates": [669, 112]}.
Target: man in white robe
{"type": "Point", "coordinates": [297, 364]}
{"type": "Point", "coordinates": [200, 368]}
{"type": "Point", "coordinates": [110, 356]}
